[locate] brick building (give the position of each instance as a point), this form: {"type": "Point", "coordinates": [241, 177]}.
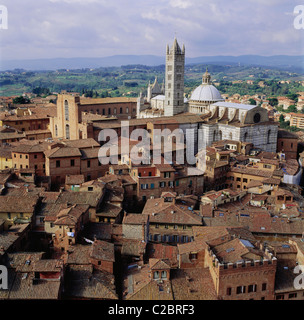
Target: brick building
{"type": "Point", "coordinates": [288, 144]}
{"type": "Point", "coordinates": [71, 121]}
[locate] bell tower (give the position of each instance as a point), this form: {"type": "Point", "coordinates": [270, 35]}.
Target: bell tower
{"type": "Point", "coordinates": [174, 79]}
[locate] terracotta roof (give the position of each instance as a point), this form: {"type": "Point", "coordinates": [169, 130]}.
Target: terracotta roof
{"type": "Point", "coordinates": [163, 251]}
{"type": "Point", "coordinates": [159, 264]}
{"type": "Point", "coordinates": [70, 216]}
{"type": "Point", "coordinates": [166, 212]}
{"type": "Point", "coordinates": [88, 101]}
{"type": "Point", "coordinates": [84, 283]}
{"type": "Point", "coordinates": [132, 247]}
{"type": "Point", "coordinates": [102, 250]}
{"type": "Point", "coordinates": [12, 204]}
{"type": "Point", "coordinates": [74, 179]}
{"type": "Point", "coordinates": [90, 198]}
{"type": "Point", "coordinates": [135, 218]}
{"type": "Point", "coordinates": [191, 247]}
{"type": "Point", "coordinates": [62, 152]}
{"type": "Point", "coordinates": [193, 284]}
{"type": "Point", "coordinates": [82, 143]}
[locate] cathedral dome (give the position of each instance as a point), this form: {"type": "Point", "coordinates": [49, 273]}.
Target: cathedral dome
{"type": "Point", "coordinates": [206, 91]}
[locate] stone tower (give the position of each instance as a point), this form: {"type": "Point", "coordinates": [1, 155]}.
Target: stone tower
{"type": "Point", "coordinates": [174, 83]}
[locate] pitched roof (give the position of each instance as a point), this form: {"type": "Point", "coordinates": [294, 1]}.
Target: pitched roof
{"type": "Point", "coordinates": [62, 152]}
{"type": "Point", "coordinates": [102, 250]}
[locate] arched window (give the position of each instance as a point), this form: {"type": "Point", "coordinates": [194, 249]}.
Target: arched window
{"type": "Point", "coordinates": [268, 136]}
{"type": "Point", "coordinates": [67, 131]}
{"type": "Point", "coordinates": [115, 110]}
{"type": "Point", "coordinates": [66, 110]}
{"type": "Point", "coordinates": [220, 135]}
{"type": "Point", "coordinates": [164, 275]}
{"type": "Point", "coordinates": [156, 275]}
{"type": "Point", "coordinates": [245, 136]}
{"type": "Point", "coordinates": [214, 136]}
{"type": "Point", "coordinates": [127, 110]}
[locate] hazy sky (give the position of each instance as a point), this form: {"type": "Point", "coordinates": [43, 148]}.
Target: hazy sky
{"type": "Point", "coordinates": [98, 28]}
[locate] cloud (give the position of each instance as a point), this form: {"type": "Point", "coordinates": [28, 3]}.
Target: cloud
{"type": "Point", "coordinates": [92, 28]}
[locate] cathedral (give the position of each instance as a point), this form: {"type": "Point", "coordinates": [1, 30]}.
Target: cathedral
{"type": "Point", "coordinates": [222, 120]}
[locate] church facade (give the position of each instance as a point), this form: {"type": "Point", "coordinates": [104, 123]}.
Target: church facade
{"type": "Point", "coordinates": [221, 120]}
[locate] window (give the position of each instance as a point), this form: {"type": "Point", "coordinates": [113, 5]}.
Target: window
{"type": "Point", "coordinates": [67, 131]}
{"type": "Point", "coordinates": [152, 185]}
{"type": "Point", "coordinates": [240, 289]}
{"type": "Point", "coordinates": [66, 110]}
{"type": "Point", "coordinates": [193, 256]}
{"type": "Point", "coordinates": [90, 188]}
{"type": "Point", "coordinates": [292, 295]}
{"type": "Point", "coordinates": [72, 163]}
{"type": "Point", "coordinates": [164, 275]}
{"type": "Point", "coordinates": [167, 174]}
{"type": "Point", "coordinates": [268, 136]}
{"type": "Point", "coordinates": [57, 163]}
{"type": "Point", "coordinates": [228, 291]}
{"type": "Point", "coordinates": [264, 286]}
{"type": "Point", "coordinates": [162, 184]}
{"type": "Point", "coordinates": [89, 164]}
{"type": "Point", "coordinates": [252, 288]}
{"type": "Point", "coordinates": [156, 275]}
{"type": "Point", "coordinates": [280, 297]}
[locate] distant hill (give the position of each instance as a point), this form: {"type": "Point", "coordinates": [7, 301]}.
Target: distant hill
{"type": "Point", "coordinates": [292, 63]}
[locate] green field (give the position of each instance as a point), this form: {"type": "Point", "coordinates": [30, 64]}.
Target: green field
{"type": "Point", "coordinates": [130, 80]}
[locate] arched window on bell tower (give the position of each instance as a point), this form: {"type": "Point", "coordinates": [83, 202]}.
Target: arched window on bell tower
{"type": "Point", "coordinates": [66, 110]}
{"type": "Point", "coordinates": [67, 131]}
{"type": "Point", "coordinates": [268, 136]}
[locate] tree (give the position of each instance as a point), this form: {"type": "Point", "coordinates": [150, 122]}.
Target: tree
{"type": "Point", "coordinates": [252, 102]}
{"type": "Point", "coordinates": [273, 101]}
{"type": "Point", "coordinates": [21, 100]}
{"type": "Point", "coordinates": [282, 119]}
{"type": "Point", "coordinates": [292, 108]}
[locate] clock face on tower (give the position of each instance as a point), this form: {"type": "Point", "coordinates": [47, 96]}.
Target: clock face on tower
{"type": "Point", "coordinates": [257, 118]}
